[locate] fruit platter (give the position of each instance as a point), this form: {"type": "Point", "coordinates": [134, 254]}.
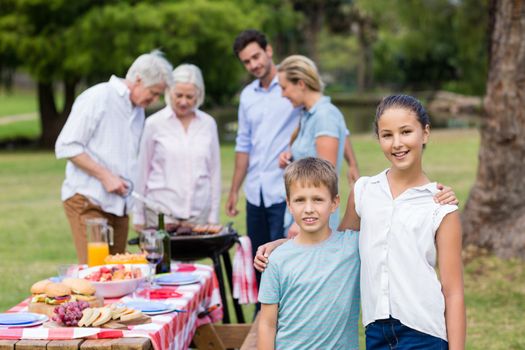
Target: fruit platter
{"type": "Point", "coordinates": [113, 281]}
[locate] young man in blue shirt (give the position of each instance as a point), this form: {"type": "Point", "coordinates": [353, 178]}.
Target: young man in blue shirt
{"type": "Point", "coordinates": [266, 121]}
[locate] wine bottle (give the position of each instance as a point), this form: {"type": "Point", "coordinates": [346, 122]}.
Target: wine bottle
{"type": "Point", "coordinates": [165, 265]}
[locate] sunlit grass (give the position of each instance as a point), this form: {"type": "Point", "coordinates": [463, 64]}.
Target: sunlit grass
{"type": "Point", "coordinates": [28, 129]}
{"type": "Point", "coordinates": [36, 237]}
{"type": "Point", "coordinates": [17, 102]}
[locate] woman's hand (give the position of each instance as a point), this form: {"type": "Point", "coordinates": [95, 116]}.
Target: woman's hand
{"type": "Point", "coordinates": [263, 252]}
{"type": "Point", "coordinates": [446, 195]}
{"type": "Point", "coordinates": [285, 158]}
{"type": "Point", "coordinates": [352, 174]}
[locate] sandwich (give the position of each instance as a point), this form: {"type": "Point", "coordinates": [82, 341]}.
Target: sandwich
{"type": "Point", "coordinates": [86, 316]}
{"type": "Point", "coordinates": [38, 291]}
{"type": "Point", "coordinates": [117, 311]}
{"type": "Point", "coordinates": [57, 293]}
{"type": "Point", "coordinates": [81, 289]}
{"type": "Point", "coordinates": [129, 315]}
{"type": "Point", "coordinates": [105, 316]}
{"type": "Point", "coordinates": [124, 313]}
{"type": "Point", "coordinates": [89, 316]}
{"type": "Point", "coordinates": [95, 316]}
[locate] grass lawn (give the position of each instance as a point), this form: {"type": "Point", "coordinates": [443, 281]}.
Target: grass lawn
{"type": "Point", "coordinates": [17, 102]}
{"type": "Point", "coordinates": [28, 129]}
{"type": "Point", "coordinates": [36, 236]}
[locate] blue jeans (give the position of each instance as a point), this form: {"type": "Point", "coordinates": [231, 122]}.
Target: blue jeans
{"type": "Point", "coordinates": [264, 225]}
{"type": "Point", "coordinates": [390, 334]}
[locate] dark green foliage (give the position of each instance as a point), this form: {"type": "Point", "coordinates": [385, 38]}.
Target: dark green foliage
{"type": "Point", "coordinates": [432, 44]}
{"type": "Point", "coordinates": [61, 40]}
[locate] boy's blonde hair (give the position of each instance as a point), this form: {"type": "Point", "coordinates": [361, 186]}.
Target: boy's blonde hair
{"type": "Point", "coordinates": [311, 171]}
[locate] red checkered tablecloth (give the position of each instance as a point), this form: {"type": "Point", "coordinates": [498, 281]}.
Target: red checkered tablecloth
{"type": "Point", "coordinates": [167, 331]}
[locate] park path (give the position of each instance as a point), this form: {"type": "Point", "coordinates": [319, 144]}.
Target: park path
{"type": "Point", "coordinates": [8, 119]}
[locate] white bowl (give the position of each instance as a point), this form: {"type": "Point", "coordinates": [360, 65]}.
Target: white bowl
{"type": "Point", "coordinates": [115, 289]}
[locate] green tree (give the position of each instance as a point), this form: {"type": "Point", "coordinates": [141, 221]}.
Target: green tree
{"type": "Point", "coordinates": [472, 39]}
{"type": "Point", "coordinates": [431, 43]}
{"type": "Point", "coordinates": [87, 40]}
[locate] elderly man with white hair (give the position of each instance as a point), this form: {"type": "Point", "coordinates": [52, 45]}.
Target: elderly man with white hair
{"type": "Point", "coordinates": [101, 142]}
{"type": "Point", "coordinates": [179, 158]}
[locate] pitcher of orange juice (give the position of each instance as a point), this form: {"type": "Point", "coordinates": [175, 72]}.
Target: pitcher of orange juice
{"type": "Point", "coordinates": [99, 238]}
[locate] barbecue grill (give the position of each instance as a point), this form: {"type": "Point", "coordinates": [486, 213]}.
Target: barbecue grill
{"type": "Point", "coordinates": [199, 246]}
{"type": "Point", "coordinates": [193, 246]}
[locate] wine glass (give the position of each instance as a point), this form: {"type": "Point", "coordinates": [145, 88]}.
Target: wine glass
{"type": "Point", "coordinates": [151, 244]}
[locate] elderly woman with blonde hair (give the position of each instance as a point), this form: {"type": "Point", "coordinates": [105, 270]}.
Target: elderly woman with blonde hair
{"type": "Point", "coordinates": [179, 158]}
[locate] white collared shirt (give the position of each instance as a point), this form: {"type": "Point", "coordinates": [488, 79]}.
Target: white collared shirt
{"type": "Point", "coordinates": [179, 168]}
{"type": "Point", "coordinates": [398, 254]}
{"type": "Point", "coordinates": [104, 124]}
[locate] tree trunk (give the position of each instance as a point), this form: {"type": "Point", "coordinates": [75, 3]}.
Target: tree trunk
{"type": "Point", "coordinates": [314, 18]}
{"type": "Point", "coordinates": [361, 63]}
{"type": "Point", "coordinates": [365, 30]}
{"type": "Point", "coordinates": [51, 119]}
{"type": "Point", "coordinates": [311, 34]}
{"type": "Point", "coordinates": [494, 216]}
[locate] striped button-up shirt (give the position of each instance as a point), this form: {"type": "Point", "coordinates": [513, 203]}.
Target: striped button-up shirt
{"type": "Point", "coordinates": [266, 122]}
{"type": "Point", "coordinates": [105, 125]}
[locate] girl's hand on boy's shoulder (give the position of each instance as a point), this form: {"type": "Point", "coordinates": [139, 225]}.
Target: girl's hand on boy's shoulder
{"type": "Point", "coordinates": [260, 261]}
{"type": "Point", "coordinates": [446, 195]}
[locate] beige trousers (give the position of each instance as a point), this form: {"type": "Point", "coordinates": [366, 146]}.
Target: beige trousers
{"type": "Point", "coordinates": [78, 208]}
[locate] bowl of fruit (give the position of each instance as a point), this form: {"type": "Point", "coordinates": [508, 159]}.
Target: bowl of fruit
{"type": "Point", "coordinates": [113, 281]}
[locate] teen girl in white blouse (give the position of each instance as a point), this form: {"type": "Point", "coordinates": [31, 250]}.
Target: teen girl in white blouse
{"type": "Point", "coordinates": [403, 234]}
{"type": "Point", "coordinates": [179, 158]}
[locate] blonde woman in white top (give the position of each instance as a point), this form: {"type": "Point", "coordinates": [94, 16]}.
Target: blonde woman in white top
{"type": "Point", "coordinates": [403, 234]}
{"type": "Point", "coordinates": [179, 159]}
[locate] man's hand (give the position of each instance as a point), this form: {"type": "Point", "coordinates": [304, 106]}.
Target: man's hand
{"type": "Point", "coordinates": [285, 158]}
{"type": "Point", "coordinates": [446, 195]}
{"type": "Point", "coordinates": [231, 204]}
{"type": "Point", "coordinates": [138, 227]}
{"type": "Point", "coordinates": [263, 252]}
{"type": "Point", "coordinates": [114, 184]}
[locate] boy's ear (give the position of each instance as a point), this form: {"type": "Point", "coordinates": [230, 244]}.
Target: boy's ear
{"type": "Point", "coordinates": [335, 203]}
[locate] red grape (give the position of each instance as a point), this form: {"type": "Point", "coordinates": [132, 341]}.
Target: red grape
{"type": "Point", "coordinates": [70, 313]}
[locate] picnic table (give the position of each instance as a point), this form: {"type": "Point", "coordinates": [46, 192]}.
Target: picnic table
{"type": "Point", "coordinates": [166, 331]}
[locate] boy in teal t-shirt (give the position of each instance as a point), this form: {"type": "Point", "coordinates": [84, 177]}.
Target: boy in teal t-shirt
{"type": "Point", "coordinates": [310, 288]}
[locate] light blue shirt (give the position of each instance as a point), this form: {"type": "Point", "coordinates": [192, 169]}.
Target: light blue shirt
{"type": "Point", "coordinates": [104, 124]}
{"type": "Point", "coordinates": [323, 119]}
{"type": "Point", "coordinates": [317, 289]}
{"type": "Point", "coordinates": [266, 122]}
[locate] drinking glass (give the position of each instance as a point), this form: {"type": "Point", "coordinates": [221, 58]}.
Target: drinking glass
{"type": "Point", "coordinates": [152, 246]}
{"type": "Point", "coordinates": [67, 270]}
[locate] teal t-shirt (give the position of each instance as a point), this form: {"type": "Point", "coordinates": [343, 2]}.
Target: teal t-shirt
{"type": "Point", "coordinates": [317, 289]}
